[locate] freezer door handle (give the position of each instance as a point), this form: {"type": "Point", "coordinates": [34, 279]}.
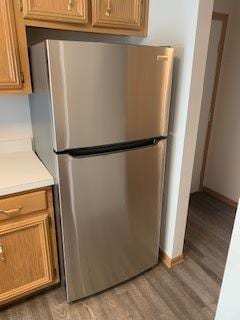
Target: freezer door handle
{"type": "Point", "coordinates": [112, 148]}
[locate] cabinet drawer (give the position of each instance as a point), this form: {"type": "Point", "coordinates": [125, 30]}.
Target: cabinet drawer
{"type": "Point", "coordinates": [23, 204]}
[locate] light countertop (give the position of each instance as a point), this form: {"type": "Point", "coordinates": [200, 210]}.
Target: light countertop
{"type": "Point", "coordinates": [22, 171]}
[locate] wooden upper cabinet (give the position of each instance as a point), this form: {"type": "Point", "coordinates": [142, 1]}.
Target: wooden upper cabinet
{"type": "Point", "coordinates": [72, 11]}
{"type": "Point", "coordinates": [25, 257]}
{"type": "Point", "coordinates": [124, 14]}
{"type": "Point", "coordinates": [121, 17]}
{"type": "Point", "coordinates": [10, 70]}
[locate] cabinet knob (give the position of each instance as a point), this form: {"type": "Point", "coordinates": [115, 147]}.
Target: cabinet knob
{"type": "Point", "coordinates": [108, 10]}
{"type": "Point", "coordinates": [2, 257]}
{"type": "Point", "coordinates": [70, 5]}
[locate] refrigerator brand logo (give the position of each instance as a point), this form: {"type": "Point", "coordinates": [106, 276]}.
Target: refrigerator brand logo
{"type": "Point", "coordinates": [162, 58]}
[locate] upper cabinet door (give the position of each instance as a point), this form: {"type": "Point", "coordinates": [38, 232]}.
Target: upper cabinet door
{"type": "Point", "coordinates": [124, 14]}
{"type": "Point", "coordinates": [10, 71]}
{"type": "Point", "coordinates": [74, 11]}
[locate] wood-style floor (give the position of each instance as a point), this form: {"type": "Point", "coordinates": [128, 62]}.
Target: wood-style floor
{"type": "Point", "coordinates": [189, 291]}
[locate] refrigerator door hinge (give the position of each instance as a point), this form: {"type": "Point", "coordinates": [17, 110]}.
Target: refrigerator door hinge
{"type": "Point", "coordinates": [20, 5]}
{"type": "Point", "coordinates": [22, 77]}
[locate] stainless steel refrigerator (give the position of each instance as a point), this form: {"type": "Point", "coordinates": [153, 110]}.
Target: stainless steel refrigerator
{"type": "Point", "coordinates": [100, 123]}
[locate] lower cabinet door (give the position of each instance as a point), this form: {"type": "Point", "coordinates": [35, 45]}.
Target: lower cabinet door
{"type": "Point", "coordinates": [25, 257]}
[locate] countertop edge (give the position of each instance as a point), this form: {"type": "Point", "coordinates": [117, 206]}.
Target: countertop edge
{"type": "Point", "coordinates": [26, 187]}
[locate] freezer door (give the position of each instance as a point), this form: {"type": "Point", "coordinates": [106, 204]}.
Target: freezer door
{"type": "Point", "coordinates": [108, 93]}
{"type": "Point", "coordinates": [111, 208]}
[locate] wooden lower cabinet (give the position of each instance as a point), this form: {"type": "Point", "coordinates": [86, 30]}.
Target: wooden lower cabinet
{"type": "Point", "coordinates": [28, 256]}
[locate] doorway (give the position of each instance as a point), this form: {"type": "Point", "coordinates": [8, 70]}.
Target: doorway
{"type": "Point", "coordinates": [213, 69]}
{"type": "Point", "coordinates": [216, 174]}
{"type": "Point", "coordinates": [202, 177]}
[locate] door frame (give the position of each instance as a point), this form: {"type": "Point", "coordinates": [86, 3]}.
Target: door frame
{"type": "Point", "coordinates": [224, 18]}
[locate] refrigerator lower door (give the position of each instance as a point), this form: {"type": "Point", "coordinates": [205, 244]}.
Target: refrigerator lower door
{"type": "Point", "coordinates": [111, 208]}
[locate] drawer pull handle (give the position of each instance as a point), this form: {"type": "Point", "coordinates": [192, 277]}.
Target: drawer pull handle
{"type": "Point", "coordinates": [2, 257]}
{"type": "Point", "coordinates": [70, 5]}
{"type": "Point", "coordinates": [108, 11]}
{"type": "Point", "coordinates": [12, 212]}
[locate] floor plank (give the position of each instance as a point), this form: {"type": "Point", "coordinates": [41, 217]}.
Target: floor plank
{"type": "Point", "coordinates": [188, 292]}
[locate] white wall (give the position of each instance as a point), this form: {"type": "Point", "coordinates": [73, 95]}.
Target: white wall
{"type": "Point", "coordinates": [228, 304]}
{"type": "Point", "coordinates": [15, 120]}
{"type": "Point", "coordinates": [171, 23]}
{"type": "Point", "coordinates": [223, 171]}
{"type": "Point", "coordinates": [192, 118]}
{"type": "Point", "coordinates": [177, 28]}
